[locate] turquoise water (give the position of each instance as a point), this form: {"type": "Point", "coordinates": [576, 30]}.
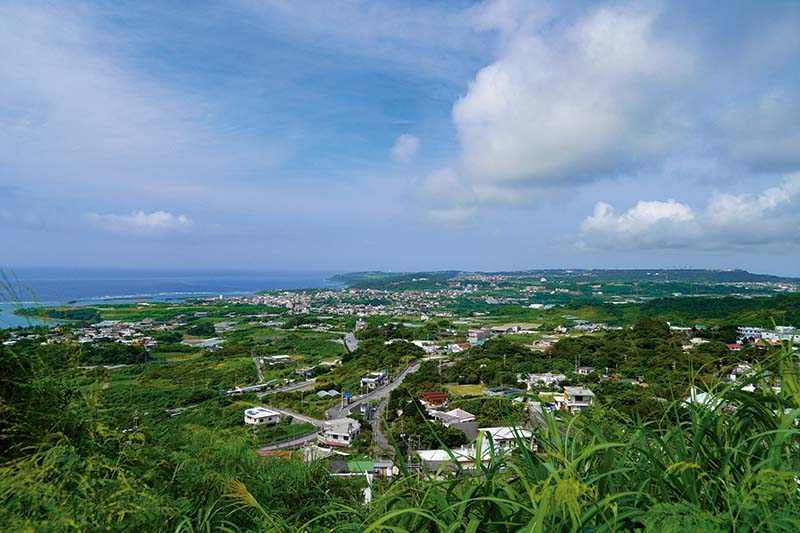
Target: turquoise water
{"type": "Point", "coordinates": [60, 286]}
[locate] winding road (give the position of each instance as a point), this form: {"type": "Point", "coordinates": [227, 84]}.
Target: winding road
{"type": "Point", "coordinates": [338, 411]}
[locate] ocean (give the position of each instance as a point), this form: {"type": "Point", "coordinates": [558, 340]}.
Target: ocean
{"type": "Point", "coordinates": [87, 286]}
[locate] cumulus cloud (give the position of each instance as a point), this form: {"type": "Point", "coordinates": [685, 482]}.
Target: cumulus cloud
{"type": "Point", "coordinates": [574, 103]}
{"type": "Point", "coordinates": [405, 148]}
{"type": "Point", "coordinates": [456, 199]}
{"type": "Point", "coordinates": [140, 223]}
{"type": "Point", "coordinates": [769, 217]}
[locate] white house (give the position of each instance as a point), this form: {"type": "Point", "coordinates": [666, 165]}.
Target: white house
{"type": "Point", "coordinates": [429, 347]}
{"type": "Point", "coordinates": [452, 417]}
{"type": "Point", "coordinates": [373, 380]}
{"type": "Point", "coordinates": [434, 460]}
{"type": "Point", "coordinates": [339, 432]}
{"type": "Point", "coordinates": [506, 438]}
{"type": "Point", "coordinates": [475, 335]}
{"type": "Point", "coordinates": [704, 399]}
{"type": "Point", "coordinates": [277, 359]}
{"type": "Point", "coordinates": [261, 416]}
{"type": "Point", "coordinates": [575, 399]}
{"type": "Point", "coordinates": [547, 379]}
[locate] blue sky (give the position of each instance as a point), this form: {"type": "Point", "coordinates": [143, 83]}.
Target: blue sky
{"type": "Point", "coordinates": [353, 135]}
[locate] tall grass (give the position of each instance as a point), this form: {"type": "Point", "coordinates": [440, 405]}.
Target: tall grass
{"type": "Point", "coordinates": [721, 466]}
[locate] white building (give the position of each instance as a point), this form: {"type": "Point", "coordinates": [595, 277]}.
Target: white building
{"type": "Point", "coordinates": [475, 336]}
{"type": "Point", "coordinates": [453, 417]}
{"type": "Point", "coordinates": [506, 438]}
{"type": "Point", "coordinates": [429, 347]}
{"type": "Point", "coordinates": [575, 399]}
{"type": "Point", "coordinates": [373, 380]}
{"type": "Point", "coordinates": [261, 416]}
{"type": "Point", "coordinates": [547, 379]}
{"type": "Point", "coordinates": [434, 460]}
{"type": "Point", "coordinates": [339, 432]}
{"type": "Point", "coordinates": [277, 360]}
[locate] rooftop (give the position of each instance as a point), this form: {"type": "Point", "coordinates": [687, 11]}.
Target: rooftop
{"type": "Point", "coordinates": [260, 412]}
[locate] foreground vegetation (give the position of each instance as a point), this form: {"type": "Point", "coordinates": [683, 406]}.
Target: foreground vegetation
{"type": "Point", "coordinates": [152, 442]}
{"type": "Point", "coordinates": [729, 466]}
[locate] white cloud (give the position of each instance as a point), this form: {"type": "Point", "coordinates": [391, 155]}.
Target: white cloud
{"type": "Point", "coordinates": [770, 217]}
{"type": "Point", "coordinates": [405, 148]}
{"type": "Point", "coordinates": [75, 115]}
{"type": "Point", "coordinates": [573, 103]}
{"type": "Point", "coordinates": [139, 223]}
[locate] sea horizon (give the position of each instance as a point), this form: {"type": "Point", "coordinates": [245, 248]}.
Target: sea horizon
{"type": "Point", "coordinates": [31, 286]}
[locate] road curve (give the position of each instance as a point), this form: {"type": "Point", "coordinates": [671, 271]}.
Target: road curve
{"type": "Point", "coordinates": [337, 411]}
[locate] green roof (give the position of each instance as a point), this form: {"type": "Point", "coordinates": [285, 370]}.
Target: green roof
{"type": "Point", "coordinates": [361, 466]}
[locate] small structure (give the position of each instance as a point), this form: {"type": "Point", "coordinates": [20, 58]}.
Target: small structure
{"type": "Point", "coordinates": [705, 399]}
{"type": "Point", "coordinates": [506, 438]}
{"type": "Point", "coordinates": [339, 432]}
{"type": "Point", "coordinates": [458, 347]}
{"type": "Point", "coordinates": [585, 370]}
{"type": "Point", "coordinates": [453, 417]}
{"type": "Point", "coordinates": [373, 380]}
{"type": "Point", "coordinates": [575, 399]}
{"type": "Point", "coordinates": [547, 379]}
{"type": "Point", "coordinates": [277, 360]}
{"type": "Point", "coordinates": [477, 336]}
{"type": "Point", "coordinates": [261, 416]}
{"type": "Point", "coordinates": [434, 398]}
{"type": "Point", "coordinates": [449, 460]}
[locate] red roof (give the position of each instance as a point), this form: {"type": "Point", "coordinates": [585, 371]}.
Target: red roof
{"type": "Point", "coordinates": [434, 397]}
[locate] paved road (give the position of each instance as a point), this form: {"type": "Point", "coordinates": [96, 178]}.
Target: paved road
{"type": "Point", "coordinates": [288, 388]}
{"type": "Point", "coordinates": [338, 411]}
{"type": "Point", "coordinates": [289, 444]}
{"type": "Point", "coordinates": [257, 362]}
{"type": "Point", "coordinates": [378, 436]}
{"type": "Point", "coordinates": [536, 415]}
{"type": "Point", "coordinates": [286, 412]}
{"type": "Point", "coordinates": [299, 441]}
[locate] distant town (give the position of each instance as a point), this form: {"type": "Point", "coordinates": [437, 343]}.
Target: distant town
{"type": "Point", "coordinates": [364, 374]}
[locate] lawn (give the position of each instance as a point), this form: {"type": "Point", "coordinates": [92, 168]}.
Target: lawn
{"type": "Point", "coordinates": [465, 390]}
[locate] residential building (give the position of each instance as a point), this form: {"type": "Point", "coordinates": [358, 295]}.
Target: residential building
{"type": "Point", "coordinates": [339, 432]}
{"type": "Point", "coordinates": [261, 416]}
{"type": "Point", "coordinates": [373, 380]}
{"type": "Point", "coordinates": [453, 417]}
{"type": "Point", "coordinates": [450, 460]}
{"type": "Point", "coordinates": [277, 360]}
{"type": "Point", "coordinates": [434, 398]}
{"type": "Point", "coordinates": [575, 399]}
{"type": "Point", "coordinates": [477, 336]}
{"type": "Point", "coordinates": [506, 438]}
{"type": "Point", "coordinates": [546, 379]}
